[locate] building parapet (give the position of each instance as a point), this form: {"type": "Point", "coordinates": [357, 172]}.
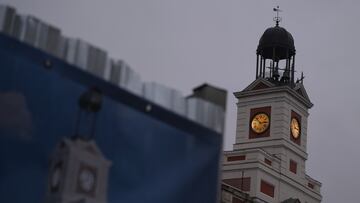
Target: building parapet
{"type": "Point", "coordinates": [206, 110]}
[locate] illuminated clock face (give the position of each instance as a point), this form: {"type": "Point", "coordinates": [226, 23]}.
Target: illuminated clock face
{"type": "Point", "coordinates": [295, 128]}
{"type": "Point", "coordinates": [56, 177]}
{"type": "Point", "coordinates": [87, 180]}
{"type": "Point", "coordinates": [260, 123]}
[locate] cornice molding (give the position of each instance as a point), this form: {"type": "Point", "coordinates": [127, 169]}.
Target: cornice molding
{"type": "Point", "coordinates": [271, 90]}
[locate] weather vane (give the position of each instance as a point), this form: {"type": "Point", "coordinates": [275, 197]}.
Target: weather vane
{"type": "Point", "coordinates": [277, 19]}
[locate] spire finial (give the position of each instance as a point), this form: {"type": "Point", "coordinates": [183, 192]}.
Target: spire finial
{"type": "Point", "coordinates": [277, 19]}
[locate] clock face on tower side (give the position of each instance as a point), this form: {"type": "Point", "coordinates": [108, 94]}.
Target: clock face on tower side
{"type": "Point", "coordinates": [87, 180]}
{"type": "Point", "coordinates": [295, 128]}
{"type": "Point", "coordinates": [260, 123]}
{"type": "Point", "coordinates": [55, 177]}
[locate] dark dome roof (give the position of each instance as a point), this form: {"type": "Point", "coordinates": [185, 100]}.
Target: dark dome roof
{"type": "Point", "coordinates": [278, 38]}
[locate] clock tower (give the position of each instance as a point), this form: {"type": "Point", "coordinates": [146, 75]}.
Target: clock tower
{"type": "Point", "coordinates": [268, 160]}
{"type": "Point", "coordinates": [78, 173]}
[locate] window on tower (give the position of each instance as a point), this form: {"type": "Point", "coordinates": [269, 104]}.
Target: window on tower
{"type": "Point", "coordinates": [293, 166]}
{"type": "Point", "coordinates": [240, 183]}
{"type": "Point", "coordinates": [267, 161]}
{"type": "Point", "coordinates": [310, 185]}
{"type": "Point", "coordinates": [236, 158]}
{"type": "Point", "coordinates": [267, 188]}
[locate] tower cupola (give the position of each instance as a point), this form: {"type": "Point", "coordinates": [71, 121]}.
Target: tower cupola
{"type": "Point", "coordinates": [276, 55]}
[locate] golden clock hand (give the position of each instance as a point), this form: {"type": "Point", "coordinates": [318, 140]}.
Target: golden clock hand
{"type": "Point", "coordinates": [259, 121]}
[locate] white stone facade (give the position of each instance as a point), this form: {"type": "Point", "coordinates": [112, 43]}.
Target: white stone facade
{"type": "Point", "coordinates": [277, 149]}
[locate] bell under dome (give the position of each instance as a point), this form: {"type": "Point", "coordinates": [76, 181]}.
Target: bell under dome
{"type": "Point", "coordinates": [275, 60]}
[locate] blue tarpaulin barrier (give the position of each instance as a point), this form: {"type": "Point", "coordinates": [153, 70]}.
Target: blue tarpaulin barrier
{"type": "Point", "coordinates": [156, 155]}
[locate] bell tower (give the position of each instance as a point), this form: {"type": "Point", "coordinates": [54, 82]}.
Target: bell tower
{"type": "Point", "coordinates": [276, 55]}
{"type": "Point", "coordinates": [268, 159]}
{"type": "Point", "coordinates": [79, 171]}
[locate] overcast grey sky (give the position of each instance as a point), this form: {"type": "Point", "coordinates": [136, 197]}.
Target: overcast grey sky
{"type": "Point", "coordinates": [183, 43]}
